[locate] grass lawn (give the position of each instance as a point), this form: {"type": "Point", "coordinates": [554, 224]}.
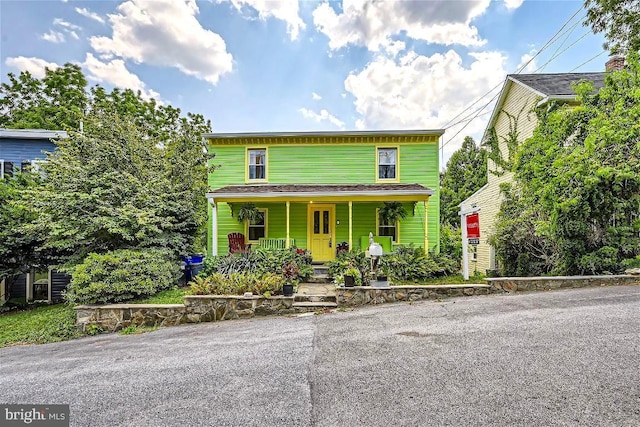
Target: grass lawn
{"type": "Point", "coordinates": [52, 323]}
{"type": "Point", "coordinates": [39, 325]}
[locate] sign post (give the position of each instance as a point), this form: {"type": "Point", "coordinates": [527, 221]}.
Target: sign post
{"type": "Point", "coordinates": [470, 222]}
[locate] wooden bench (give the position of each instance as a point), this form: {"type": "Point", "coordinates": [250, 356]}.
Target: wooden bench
{"type": "Point", "coordinates": [270, 243]}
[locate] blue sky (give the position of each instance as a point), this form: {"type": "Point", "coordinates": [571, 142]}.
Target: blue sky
{"type": "Point", "coordinates": [266, 65]}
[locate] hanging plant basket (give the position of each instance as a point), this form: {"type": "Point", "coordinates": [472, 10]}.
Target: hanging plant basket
{"type": "Point", "coordinates": [391, 212]}
{"type": "Point", "coordinates": [249, 212]}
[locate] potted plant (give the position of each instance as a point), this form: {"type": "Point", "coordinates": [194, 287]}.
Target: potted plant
{"type": "Point", "coordinates": [290, 271]}
{"type": "Point", "coordinates": [352, 277]}
{"type": "Point", "coordinates": [391, 212]}
{"type": "Point", "coordinates": [249, 212]}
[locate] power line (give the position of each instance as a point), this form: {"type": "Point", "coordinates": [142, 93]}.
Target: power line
{"type": "Point", "coordinates": [589, 60]}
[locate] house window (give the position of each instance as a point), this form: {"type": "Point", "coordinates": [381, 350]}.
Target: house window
{"type": "Point", "coordinates": [257, 164]}
{"type": "Point", "coordinates": [257, 229]}
{"type": "Point", "coordinates": [474, 252]}
{"type": "Point", "coordinates": [387, 163]}
{"type": "Point", "coordinates": [386, 228]}
{"type": "Point", "coordinates": [6, 169]}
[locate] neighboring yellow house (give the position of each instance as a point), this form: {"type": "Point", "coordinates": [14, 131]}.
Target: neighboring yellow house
{"type": "Point", "coordinates": [520, 94]}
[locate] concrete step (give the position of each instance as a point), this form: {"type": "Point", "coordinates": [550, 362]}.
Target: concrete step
{"type": "Point", "coordinates": [319, 278]}
{"type": "Point", "coordinates": [311, 304]}
{"type": "Point", "coordinates": [320, 269]}
{"type": "Point", "coordinates": [314, 298]}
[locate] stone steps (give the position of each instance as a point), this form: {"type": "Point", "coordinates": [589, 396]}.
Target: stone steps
{"type": "Point", "coordinates": [315, 305]}
{"type": "Point", "coordinates": [314, 298]}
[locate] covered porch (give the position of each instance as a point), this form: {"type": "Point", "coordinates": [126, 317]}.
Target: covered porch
{"type": "Point", "coordinates": [319, 217]}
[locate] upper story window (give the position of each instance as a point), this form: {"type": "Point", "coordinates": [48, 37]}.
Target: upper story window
{"type": "Point", "coordinates": [257, 164]}
{"type": "Point", "coordinates": [387, 164]}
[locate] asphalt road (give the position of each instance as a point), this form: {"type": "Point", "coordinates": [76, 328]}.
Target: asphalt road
{"type": "Point", "coordinates": [557, 358]}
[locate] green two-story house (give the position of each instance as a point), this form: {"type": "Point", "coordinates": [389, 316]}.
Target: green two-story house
{"type": "Point", "coordinates": [321, 190]}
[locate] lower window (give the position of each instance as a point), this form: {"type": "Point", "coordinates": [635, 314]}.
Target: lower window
{"type": "Point", "coordinates": [257, 229]}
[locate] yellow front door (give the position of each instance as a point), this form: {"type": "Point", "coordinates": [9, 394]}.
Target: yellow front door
{"type": "Point", "coordinates": [321, 232]}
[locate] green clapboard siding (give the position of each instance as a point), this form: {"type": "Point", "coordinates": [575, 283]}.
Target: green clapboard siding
{"type": "Point", "coordinates": [331, 164]}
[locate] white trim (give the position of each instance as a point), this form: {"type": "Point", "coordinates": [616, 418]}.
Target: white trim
{"type": "Point", "coordinates": [1, 168]}
{"type": "Point", "coordinates": [32, 133]}
{"type": "Point", "coordinates": [312, 194]}
{"type": "Point", "coordinates": [214, 226]}
{"type": "Point", "coordinates": [326, 133]}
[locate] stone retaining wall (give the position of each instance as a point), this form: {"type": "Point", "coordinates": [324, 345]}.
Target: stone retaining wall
{"type": "Point", "coordinates": [363, 295]}
{"type": "Point", "coordinates": [513, 284]}
{"type": "Point", "coordinates": [195, 309]}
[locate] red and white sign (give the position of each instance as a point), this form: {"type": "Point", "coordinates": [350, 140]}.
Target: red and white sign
{"type": "Point", "coordinates": [473, 226]}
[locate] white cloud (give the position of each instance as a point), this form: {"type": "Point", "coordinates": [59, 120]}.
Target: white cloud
{"type": "Point", "coordinates": [53, 37]}
{"type": "Point", "coordinates": [424, 91]}
{"type": "Point", "coordinates": [315, 96]}
{"type": "Point", "coordinates": [322, 116]}
{"type": "Point", "coordinates": [513, 4]}
{"type": "Point", "coordinates": [528, 62]}
{"type": "Point", "coordinates": [61, 22]}
{"type": "Point", "coordinates": [166, 33]}
{"type": "Point", "coordinates": [284, 10]}
{"type": "Point", "coordinates": [116, 73]}
{"type": "Point", "coordinates": [33, 65]}
{"type": "Point", "coordinates": [372, 23]}
{"type": "Point", "coordinates": [88, 14]}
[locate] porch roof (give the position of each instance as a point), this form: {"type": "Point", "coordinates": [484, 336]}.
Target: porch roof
{"type": "Point", "coordinates": [327, 192]}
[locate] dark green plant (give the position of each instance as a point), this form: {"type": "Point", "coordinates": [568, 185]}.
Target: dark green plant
{"type": "Point", "coordinates": [121, 276]}
{"type": "Point", "coordinates": [238, 283]}
{"type": "Point", "coordinates": [346, 260]}
{"type": "Point", "coordinates": [391, 212]}
{"type": "Point", "coordinates": [409, 263]}
{"type": "Point", "coordinates": [260, 260]}
{"type": "Point", "coordinates": [249, 212]}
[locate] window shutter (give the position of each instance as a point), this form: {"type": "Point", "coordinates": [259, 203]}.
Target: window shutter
{"type": "Point", "coordinates": [8, 168]}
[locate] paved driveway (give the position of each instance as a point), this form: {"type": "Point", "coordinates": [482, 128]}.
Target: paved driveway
{"type": "Point", "coordinates": [557, 358]}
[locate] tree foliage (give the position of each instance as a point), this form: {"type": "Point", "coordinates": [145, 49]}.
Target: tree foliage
{"type": "Point", "coordinates": [466, 172]}
{"type": "Point", "coordinates": [619, 20]}
{"type": "Point", "coordinates": [574, 207]}
{"type": "Point", "coordinates": [131, 175]}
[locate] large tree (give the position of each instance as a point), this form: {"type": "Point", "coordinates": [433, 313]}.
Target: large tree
{"type": "Point", "coordinates": [132, 174]}
{"type": "Point", "coordinates": [619, 20]}
{"type": "Point", "coordinates": [466, 172]}
{"type": "Point", "coordinates": [575, 202]}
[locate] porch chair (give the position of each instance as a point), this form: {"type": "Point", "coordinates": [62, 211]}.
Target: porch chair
{"type": "Point", "coordinates": [236, 243]}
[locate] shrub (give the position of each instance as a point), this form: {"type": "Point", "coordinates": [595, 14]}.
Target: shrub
{"type": "Point", "coordinates": [237, 284]}
{"type": "Point", "coordinates": [347, 260]}
{"type": "Point", "coordinates": [411, 263]}
{"type": "Point", "coordinates": [120, 276]}
{"type": "Point", "coordinates": [259, 261]}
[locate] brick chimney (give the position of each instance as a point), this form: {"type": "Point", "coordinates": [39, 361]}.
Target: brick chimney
{"type": "Point", "coordinates": [615, 63]}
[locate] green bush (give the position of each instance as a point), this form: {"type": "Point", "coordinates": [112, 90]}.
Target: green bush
{"type": "Point", "coordinates": [237, 283]}
{"type": "Point", "coordinates": [259, 261]}
{"type": "Point", "coordinates": [121, 275]}
{"type": "Point", "coordinates": [347, 260]}
{"type": "Point", "coordinates": [411, 263]}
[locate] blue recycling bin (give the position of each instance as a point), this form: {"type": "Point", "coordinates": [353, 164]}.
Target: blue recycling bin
{"type": "Point", "coordinates": [193, 264]}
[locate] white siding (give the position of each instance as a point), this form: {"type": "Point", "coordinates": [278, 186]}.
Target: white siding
{"type": "Point", "coordinates": [489, 198]}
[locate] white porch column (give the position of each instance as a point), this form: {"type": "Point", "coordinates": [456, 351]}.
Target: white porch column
{"type": "Point", "coordinates": [50, 285]}
{"type": "Point", "coordinates": [214, 229]}
{"type": "Point", "coordinates": [287, 243]}
{"type": "Point", "coordinates": [29, 286]}
{"type": "Point", "coordinates": [2, 291]}
{"type": "Point", "coordinates": [350, 225]}
{"type": "Point", "coordinates": [465, 241]}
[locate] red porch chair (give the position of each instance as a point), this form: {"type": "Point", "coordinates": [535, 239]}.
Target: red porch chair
{"type": "Point", "coordinates": [236, 243]}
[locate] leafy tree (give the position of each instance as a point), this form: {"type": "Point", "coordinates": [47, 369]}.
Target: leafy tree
{"type": "Point", "coordinates": [19, 247]}
{"type": "Point", "coordinates": [466, 172]}
{"type": "Point", "coordinates": [57, 101]}
{"type": "Point", "coordinates": [574, 206]}
{"type": "Point", "coordinates": [619, 19]}
{"type": "Point", "coordinates": [114, 186]}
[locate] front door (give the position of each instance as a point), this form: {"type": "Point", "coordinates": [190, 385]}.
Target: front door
{"type": "Point", "coordinates": [321, 232]}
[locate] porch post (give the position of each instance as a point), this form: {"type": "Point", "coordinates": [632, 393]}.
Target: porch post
{"type": "Point", "coordinates": [350, 225]}
{"type": "Point", "coordinates": [426, 226]}
{"type": "Point", "coordinates": [214, 227]}
{"type": "Point", "coordinates": [286, 244]}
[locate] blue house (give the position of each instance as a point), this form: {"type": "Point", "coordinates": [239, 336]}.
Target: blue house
{"type": "Point", "coordinates": [21, 149]}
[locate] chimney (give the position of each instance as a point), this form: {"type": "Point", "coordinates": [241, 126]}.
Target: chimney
{"type": "Point", "coordinates": [615, 63]}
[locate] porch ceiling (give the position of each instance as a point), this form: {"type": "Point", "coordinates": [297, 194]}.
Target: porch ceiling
{"type": "Point", "coordinates": [313, 192]}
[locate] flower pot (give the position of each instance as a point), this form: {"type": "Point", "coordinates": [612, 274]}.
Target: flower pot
{"type": "Point", "coordinates": [287, 289]}
{"type": "Point", "coordinates": [349, 281]}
